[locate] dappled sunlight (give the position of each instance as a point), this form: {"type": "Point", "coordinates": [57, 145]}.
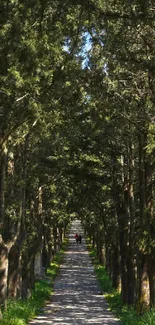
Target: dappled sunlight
{"type": "Point", "coordinates": [77, 251]}
{"type": "Point", "coordinates": [77, 298]}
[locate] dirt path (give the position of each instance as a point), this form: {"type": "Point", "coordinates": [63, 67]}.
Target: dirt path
{"type": "Point", "coordinates": [76, 299]}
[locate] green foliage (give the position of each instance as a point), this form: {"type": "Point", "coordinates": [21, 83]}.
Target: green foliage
{"type": "Point", "coordinates": [127, 315]}
{"type": "Point", "coordinates": [148, 318]}
{"type": "Point", "coordinates": [53, 270]}
{"type": "Point", "coordinates": [82, 111]}
{"type": "Point", "coordinates": [21, 311]}
{"type": "Point", "coordinates": [106, 284]}
{"type": "Point", "coordinates": [101, 273]}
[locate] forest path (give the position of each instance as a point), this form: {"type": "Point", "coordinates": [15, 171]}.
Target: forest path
{"type": "Point", "coordinates": [76, 299]}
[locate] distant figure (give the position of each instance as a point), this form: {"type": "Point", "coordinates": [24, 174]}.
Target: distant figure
{"type": "Point", "coordinates": [76, 237]}
{"type": "Point", "coordinates": [80, 239]}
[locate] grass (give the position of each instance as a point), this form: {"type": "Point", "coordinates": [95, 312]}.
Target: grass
{"type": "Point", "coordinates": [126, 314]}
{"type": "Point", "coordinates": [19, 312]}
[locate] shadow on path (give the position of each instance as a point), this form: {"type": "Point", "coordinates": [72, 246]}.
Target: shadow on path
{"type": "Point", "coordinates": [76, 299]}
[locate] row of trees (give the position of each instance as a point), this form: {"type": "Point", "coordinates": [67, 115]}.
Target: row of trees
{"type": "Point", "coordinates": [77, 136]}
{"type": "Point", "coordinates": [122, 202]}
{"type": "Point", "coordinates": [33, 200]}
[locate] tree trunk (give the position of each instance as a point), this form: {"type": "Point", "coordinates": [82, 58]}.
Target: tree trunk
{"type": "Point", "coordinates": [3, 248]}
{"type": "Point", "coordinates": [90, 236]}
{"type": "Point", "coordinates": [14, 273]}
{"type": "Point", "coordinates": [131, 278]}
{"type": "Point", "coordinates": [61, 235]}
{"type": "Point", "coordinates": [143, 280]}
{"type": "Point", "coordinates": [115, 267]}
{"type": "Point", "coordinates": [45, 260]}
{"type": "Point", "coordinates": [28, 280]}
{"type": "Point", "coordinates": [108, 258]}
{"type": "Point", "coordinates": [143, 285]}
{"type": "Point", "coordinates": [55, 236]}
{"type": "Point", "coordinates": [142, 190]}
{"type": "Point", "coordinates": [28, 270]}
{"type": "Point", "coordinates": [99, 245]}
{"type": "Point", "coordinates": [150, 227]}
{"type": "Point", "coordinates": [94, 238]}
{"type": "Point", "coordinates": [123, 266]}
{"type": "Point", "coordinates": [121, 199]}
{"type": "Point", "coordinates": [151, 274]}
{"type": "Point", "coordinates": [3, 160]}
{"type": "Point", "coordinates": [3, 273]}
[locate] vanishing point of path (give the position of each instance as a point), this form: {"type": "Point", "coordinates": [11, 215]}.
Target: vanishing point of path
{"type": "Point", "coordinates": [76, 299]}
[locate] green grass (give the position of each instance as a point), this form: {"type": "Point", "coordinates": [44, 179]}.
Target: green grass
{"type": "Point", "coordinates": [126, 314]}
{"type": "Point", "coordinates": [19, 312]}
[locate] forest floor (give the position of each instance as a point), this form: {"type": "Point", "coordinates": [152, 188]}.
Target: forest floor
{"type": "Point", "coordinates": [77, 297]}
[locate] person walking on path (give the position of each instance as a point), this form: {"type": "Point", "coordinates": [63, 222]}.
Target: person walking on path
{"type": "Point", "coordinates": [76, 238]}
{"type": "Point", "coordinates": [80, 239]}
{"type": "Point", "coordinates": [76, 299]}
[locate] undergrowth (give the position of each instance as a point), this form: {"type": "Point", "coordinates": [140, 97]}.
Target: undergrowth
{"type": "Point", "coordinates": [19, 312]}
{"type": "Point", "coordinates": [126, 314]}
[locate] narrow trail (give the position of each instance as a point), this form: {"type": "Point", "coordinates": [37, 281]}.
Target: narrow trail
{"type": "Point", "coordinates": [76, 299]}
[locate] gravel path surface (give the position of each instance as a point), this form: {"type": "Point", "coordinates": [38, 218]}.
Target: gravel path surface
{"type": "Point", "coordinates": [76, 299]}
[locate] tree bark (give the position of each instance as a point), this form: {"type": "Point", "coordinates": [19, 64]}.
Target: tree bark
{"type": "Point", "coordinates": [131, 248]}
{"type": "Point", "coordinates": [123, 266]}
{"type": "Point", "coordinates": [99, 245]}
{"type": "Point", "coordinates": [28, 269]}
{"type": "Point", "coordinates": [131, 279]}
{"type": "Point", "coordinates": [143, 279]}
{"type": "Point", "coordinates": [3, 160]}
{"type": "Point", "coordinates": [115, 267]}
{"type": "Point", "coordinates": [151, 274]}
{"type": "Point", "coordinates": [14, 273]}
{"type": "Point", "coordinates": [3, 247]}
{"type": "Point", "coordinates": [3, 273]}
{"type": "Point", "coordinates": [55, 235]}
{"type": "Point", "coordinates": [143, 285]}
{"type": "Point", "coordinates": [150, 227]}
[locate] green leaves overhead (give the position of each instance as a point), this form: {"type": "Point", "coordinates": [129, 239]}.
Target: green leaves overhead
{"type": "Point", "coordinates": [77, 116]}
